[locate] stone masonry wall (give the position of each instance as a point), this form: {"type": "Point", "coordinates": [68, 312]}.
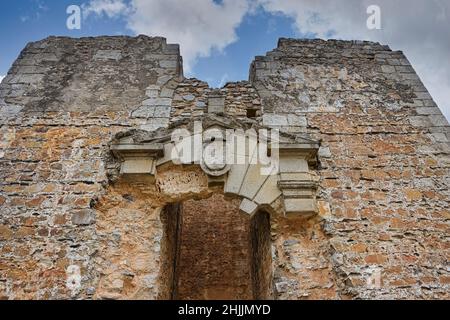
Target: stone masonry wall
{"type": "Point", "coordinates": [382, 230]}
{"type": "Point", "coordinates": [60, 104]}
{"type": "Point", "coordinates": [384, 164]}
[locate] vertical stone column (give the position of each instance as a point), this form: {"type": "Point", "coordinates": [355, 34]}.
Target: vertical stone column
{"type": "Point", "coordinates": [297, 184]}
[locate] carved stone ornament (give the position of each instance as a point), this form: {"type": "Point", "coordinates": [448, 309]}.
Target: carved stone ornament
{"type": "Point", "coordinates": [260, 167]}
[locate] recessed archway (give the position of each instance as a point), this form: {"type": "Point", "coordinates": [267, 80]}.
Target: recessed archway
{"type": "Point", "coordinates": [214, 251]}
{"type": "Point", "coordinates": [185, 263]}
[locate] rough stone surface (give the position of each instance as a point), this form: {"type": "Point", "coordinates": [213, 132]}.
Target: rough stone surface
{"type": "Point", "coordinates": [384, 179]}
{"type": "Point", "coordinates": [214, 251]}
{"type": "Point", "coordinates": [384, 167]}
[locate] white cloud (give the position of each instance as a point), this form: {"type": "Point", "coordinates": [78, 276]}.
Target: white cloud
{"type": "Point", "coordinates": [1, 78]}
{"type": "Point", "coordinates": [109, 8]}
{"type": "Point", "coordinates": [199, 26]}
{"type": "Point", "coordinates": [420, 28]}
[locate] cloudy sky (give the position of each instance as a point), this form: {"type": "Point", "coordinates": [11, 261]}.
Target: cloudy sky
{"type": "Point", "coordinates": [219, 38]}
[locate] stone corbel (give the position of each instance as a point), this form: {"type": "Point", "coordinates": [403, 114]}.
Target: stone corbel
{"type": "Point", "coordinates": [297, 184]}
{"type": "Point", "coordinates": [138, 161]}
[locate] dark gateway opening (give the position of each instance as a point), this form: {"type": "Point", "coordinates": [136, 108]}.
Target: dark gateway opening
{"type": "Point", "coordinates": [213, 251]}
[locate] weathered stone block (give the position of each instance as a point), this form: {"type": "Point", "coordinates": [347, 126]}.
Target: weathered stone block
{"type": "Point", "coordinates": [157, 102]}
{"type": "Point", "coordinates": [138, 165]}
{"type": "Point", "coordinates": [295, 120]}
{"type": "Point", "coordinates": [438, 120]}
{"type": "Point", "coordinates": [249, 207]}
{"type": "Point", "coordinates": [216, 104]}
{"type": "Point", "coordinates": [108, 55]}
{"type": "Point", "coordinates": [144, 112]}
{"type": "Point", "coordinates": [189, 97]}
{"type": "Point", "coordinates": [269, 192]}
{"type": "Point", "coordinates": [381, 179]}
{"type": "Point", "coordinates": [152, 93]}
{"type": "Point", "coordinates": [154, 124]}
{"type": "Point", "coordinates": [162, 112]}
{"type": "Point", "coordinates": [253, 181]}
{"type": "Point", "coordinates": [83, 217]}
{"type": "Point", "coordinates": [428, 111]}
{"type": "Point", "coordinates": [439, 137]}
{"type": "Point", "coordinates": [293, 164]}
{"type": "Point", "coordinates": [298, 206]}
{"type": "Point", "coordinates": [388, 69]}
{"type": "Point", "coordinates": [166, 93]}
{"type": "Point", "coordinates": [169, 64]}
{"type": "Point", "coordinates": [275, 120]}
{"type": "Point", "coordinates": [324, 152]}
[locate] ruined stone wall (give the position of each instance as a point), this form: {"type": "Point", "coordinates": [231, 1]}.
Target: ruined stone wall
{"type": "Point", "coordinates": [60, 105]}
{"type": "Point", "coordinates": [384, 167]}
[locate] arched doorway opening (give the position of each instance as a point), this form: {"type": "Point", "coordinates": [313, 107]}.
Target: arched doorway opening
{"type": "Point", "coordinates": [211, 250]}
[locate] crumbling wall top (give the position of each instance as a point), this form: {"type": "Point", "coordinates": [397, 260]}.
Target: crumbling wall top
{"type": "Point", "coordinates": [86, 74]}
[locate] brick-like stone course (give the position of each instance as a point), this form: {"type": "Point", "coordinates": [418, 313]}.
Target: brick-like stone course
{"type": "Point", "coordinates": [385, 173]}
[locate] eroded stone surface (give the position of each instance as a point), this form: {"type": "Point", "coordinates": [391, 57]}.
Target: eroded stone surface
{"type": "Point", "coordinates": [215, 258]}
{"type": "Point", "coordinates": [383, 167]}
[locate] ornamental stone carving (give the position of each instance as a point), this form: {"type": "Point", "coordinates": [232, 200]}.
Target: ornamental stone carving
{"type": "Point", "coordinates": [260, 168]}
